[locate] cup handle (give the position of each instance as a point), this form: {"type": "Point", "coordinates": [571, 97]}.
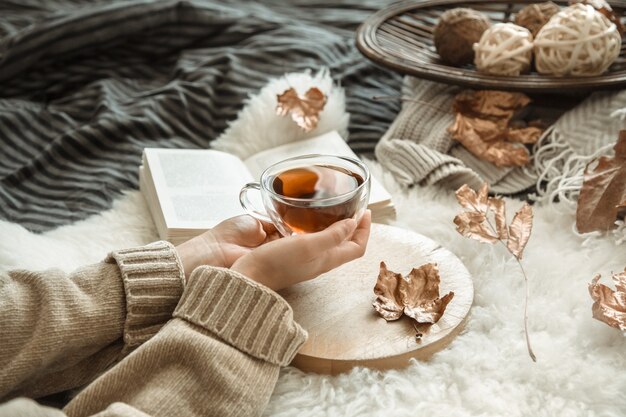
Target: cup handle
{"type": "Point", "coordinates": [248, 206]}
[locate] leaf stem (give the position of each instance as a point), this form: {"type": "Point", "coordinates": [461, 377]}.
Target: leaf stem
{"type": "Point", "coordinates": [528, 346]}
{"type": "Point", "coordinates": [530, 349]}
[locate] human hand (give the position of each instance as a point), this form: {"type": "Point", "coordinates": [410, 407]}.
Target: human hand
{"type": "Point", "coordinates": [293, 259]}
{"type": "Point", "coordinates": [225, 243]}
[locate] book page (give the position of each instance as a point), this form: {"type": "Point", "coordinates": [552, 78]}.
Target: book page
{"type": "Point", "coordinates": [328, 144]}
{"type": "Point", "coordinates": [196, 189]}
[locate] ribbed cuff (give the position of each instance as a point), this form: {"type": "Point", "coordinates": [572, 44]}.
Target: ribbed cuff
{"type": "Point", "coordinates": [412, 163]}
{"type": "Point", "coordinates": [244, 314]}
{"type": "Point", "coordinates": [153, 282]}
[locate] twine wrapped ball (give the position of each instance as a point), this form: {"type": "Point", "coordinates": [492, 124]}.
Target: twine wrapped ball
{"type": "Point", "coordinates": [534, 16]}
{"type": "Point", "coordinates": [578, 41]}
{"type": "Point", "coordinates": [457, 30]}
{"type": "Point", "coordinates": [605, 8]}
{"type": "Point", "coordinates": [504, 49]}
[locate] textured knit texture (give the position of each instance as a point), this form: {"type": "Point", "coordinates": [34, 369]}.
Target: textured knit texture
{"type": "Point", "coordinates": [85, 85]}
{"type": "Point", "coordinates": [153, 282]}
{"type": "Point", "coordinates": [579, 136]}
{"type": "Point", "coordinates": [252, 317]}
{"type": "Point", "coordinates": [219, 356]}
{"type": "Point", "coordinates": [418, 149]}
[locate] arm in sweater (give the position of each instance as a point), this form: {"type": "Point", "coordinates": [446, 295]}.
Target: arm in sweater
{"type": "Point", "coordinates": [220, 355]}
{"type": "Point", "coordinates": [61, 330]}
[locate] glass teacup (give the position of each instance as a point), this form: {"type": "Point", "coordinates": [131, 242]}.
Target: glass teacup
{"type": "Point", "coordinates": [308, 193]}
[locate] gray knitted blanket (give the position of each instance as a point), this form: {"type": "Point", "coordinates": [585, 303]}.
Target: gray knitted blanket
{"type": "Point", "coordinates": [85, 85]}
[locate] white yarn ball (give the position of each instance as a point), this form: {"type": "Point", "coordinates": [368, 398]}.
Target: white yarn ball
{"type": "Point", "coordinates": [504, 49]}
{"type": "Point", "coordinates": [577, 41]}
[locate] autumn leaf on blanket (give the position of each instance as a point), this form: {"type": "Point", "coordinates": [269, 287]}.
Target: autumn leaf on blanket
{"type": "Point", "coordinates": [603, 193]}
{"type": "Point", "coordinates": [304, 110]}
{"type": "Point", "coordinates": [473, 224]}
{"type": "Point", "coordinates": [483, 125]}
{"type": "Point", "coordinates": [468, 198]}
{"type": "Point", "coordinates": [519, 230]}
{"type": "Point", "coordinates": [610, 305]}
{"type": "Point", "coordinates": [484, 220]}
{"type": "Point", "coordinates": [416, 295]}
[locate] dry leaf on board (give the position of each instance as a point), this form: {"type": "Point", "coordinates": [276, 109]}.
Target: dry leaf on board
{"type": "Point", "coordinates": [420, 294]}
{"type": "Point", "coordinates": [603, 193]}
{"type": "Point", "coordinates": [388, 299]}
{"type": "Point", "coordinates": [483, 126]}
{"type": "Point", "coordinates": [416, 295]}
{"type": "Point", "coordinates": [485, 221]}
{"type": "Point", "coordinates": [610, 305]}
{"type": "Point", "coordinates": [304, 110]}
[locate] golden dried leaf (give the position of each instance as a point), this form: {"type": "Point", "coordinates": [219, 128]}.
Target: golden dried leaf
{"type": "Point", "coordinates": [416, 295]}
{"type": "Point", "coordinates": [483, 195]}
{"type": "Point", "coordinates": [478, 136]}
{"type": "Point", "coordinates": [525, 135]}
{"type": "Point", "coordinates": [388, 301]}
{"type": "Point", "coordinates": [304, 110]}
{"type": "Point", "coordinates": [476, 131]}
{"type": "Point", "coordinates": [519, 230]}
{"type": "Point", "coordinates": [506, 154]}
{"type": "Point", "coordinates": [499, 210]}
{"type": "Point", "coordinates": [470, 200]}
{"type": "Point", "coordinates": [539, 124]}
{"type": "Point", "coordinates": [420, 294]}
{"type": "Point", "coordinates": [475, 223]}
{"type": "Point", "coordinates": [610, 306]}
{"type": "Point", "coordinates": [472, 224]}
{"type": "Point", "coordinates": [482, 126]}
{"type": "Point", "coordinates": [603, 191]}
{"type": "Point", "coordinates": [492, 104]}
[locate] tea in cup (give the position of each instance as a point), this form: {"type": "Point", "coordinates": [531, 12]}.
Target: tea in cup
{"type": "Point", "coordinates": [308, 193]}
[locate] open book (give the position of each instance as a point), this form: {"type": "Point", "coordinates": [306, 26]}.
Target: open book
{"type": "Point", "coordinates": [191, 190]}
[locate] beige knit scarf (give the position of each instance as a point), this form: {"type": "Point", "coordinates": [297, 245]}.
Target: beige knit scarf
{"type": "Point", "coordinates": [417, 148]}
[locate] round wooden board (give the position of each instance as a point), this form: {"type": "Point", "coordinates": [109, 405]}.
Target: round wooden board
{"type": "Point", "coordinates": [344, 329]}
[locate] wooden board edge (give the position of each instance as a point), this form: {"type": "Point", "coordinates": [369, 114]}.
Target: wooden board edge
{"type": "Point", "coordinates": [335, 367]}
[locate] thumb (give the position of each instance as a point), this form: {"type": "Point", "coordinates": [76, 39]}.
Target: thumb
{"type": "Point", "coordinates": [333, 235]}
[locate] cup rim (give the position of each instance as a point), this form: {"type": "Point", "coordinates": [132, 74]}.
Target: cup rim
{"type": "Point", "coordinates": [355, 161]}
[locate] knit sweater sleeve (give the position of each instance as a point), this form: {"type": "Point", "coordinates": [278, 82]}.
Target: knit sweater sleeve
{"type": "Point", "coordinates": [61, 330]}
{"type": "Point", "coordinates": [219, 355]}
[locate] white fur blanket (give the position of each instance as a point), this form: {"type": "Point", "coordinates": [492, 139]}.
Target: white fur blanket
{"type": "Point", "coordinates": [581, 368]}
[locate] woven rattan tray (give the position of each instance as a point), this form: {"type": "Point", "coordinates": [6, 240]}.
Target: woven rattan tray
{"type": "Point", "coordinates": [400, 37]}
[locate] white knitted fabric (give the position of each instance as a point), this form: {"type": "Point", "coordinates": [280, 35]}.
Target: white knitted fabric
{"type": "Point", "coordinates": [417, 148]}
{"type": "Point", "coordinates": [582, 134]}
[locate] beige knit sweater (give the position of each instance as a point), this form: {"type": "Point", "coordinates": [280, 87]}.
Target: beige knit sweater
{"type": "Point", "coordinates": [142, 340]}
